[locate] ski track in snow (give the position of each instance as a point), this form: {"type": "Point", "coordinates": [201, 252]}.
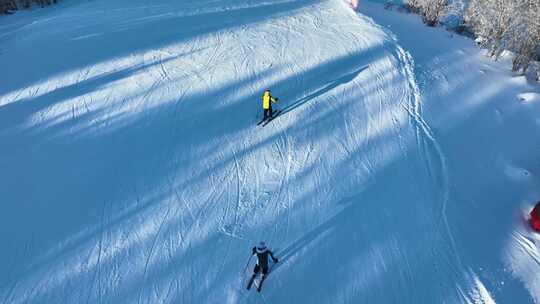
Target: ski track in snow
{"type": "Point", "coordinates": [425, 134]}
{"type": "Point", "coordinates": [415, 110]}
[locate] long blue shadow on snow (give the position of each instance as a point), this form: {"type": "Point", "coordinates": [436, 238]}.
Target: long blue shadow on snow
{"type": "Point", "coordinates": [330, 86]}
{"type": "Point", "coordinates": [127, 39]}
{"type": "Point", "coordinates": [18, 112]}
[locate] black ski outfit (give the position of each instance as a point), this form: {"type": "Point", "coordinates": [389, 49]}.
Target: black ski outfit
{"type": "Point", "coordinates": [262, 259]}
{"type": "Point", "coordinates": [262, 263]}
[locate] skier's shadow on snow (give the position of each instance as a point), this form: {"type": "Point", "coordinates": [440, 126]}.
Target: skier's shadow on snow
{"type": "Point", "coordinates": [304, 241]}
{"type": "Point", "coordinates": [330, 86]}
{"type": "Point", "coordinates": [294, 248]}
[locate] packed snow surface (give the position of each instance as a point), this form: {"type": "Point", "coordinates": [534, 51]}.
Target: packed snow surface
{"type": "Point", "coordinates": [132, 170]}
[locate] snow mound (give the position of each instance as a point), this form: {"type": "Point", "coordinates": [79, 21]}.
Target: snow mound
{"type": "Point", "coordinates": [523, 258]}
{"type": "Point", "coordinates": [517, 174]}
{"type": "Point", "coordinates": [480, 295]}
{"type": "Point", "coordinates": [529, 97]}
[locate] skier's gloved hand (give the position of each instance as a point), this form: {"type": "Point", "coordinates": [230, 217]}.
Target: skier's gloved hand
{"type": "Point", "coordinates": [277, 99]}
{"type": "Point", "coordinates": [276, 260]}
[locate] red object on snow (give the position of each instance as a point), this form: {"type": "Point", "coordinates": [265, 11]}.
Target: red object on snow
{"type": "Point", "coordinates": [535, 217]}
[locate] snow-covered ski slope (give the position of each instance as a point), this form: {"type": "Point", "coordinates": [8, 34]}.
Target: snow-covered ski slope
{"type": "Point", "coordinates": [131, 169]}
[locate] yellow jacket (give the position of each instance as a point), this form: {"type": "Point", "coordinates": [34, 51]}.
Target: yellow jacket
{"type": "Point", "coordinates": [266, 98]}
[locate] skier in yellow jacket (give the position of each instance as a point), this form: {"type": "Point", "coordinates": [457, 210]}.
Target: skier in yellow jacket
{"type": "Point", "coordinates": [267, 101]}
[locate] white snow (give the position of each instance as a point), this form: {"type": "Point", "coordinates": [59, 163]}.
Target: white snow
{"type": "Point", "coordinates": [131, 169]}
{"type": "Point", "coordinates": [479, 294]}
{"type": "Point", "coordinates": [523, 257]}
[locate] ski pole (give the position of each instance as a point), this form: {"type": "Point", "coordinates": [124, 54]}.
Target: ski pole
{"type": "Point", "coordinates": [249, 260]}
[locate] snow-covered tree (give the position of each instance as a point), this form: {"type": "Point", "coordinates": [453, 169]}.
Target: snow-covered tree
{"type": "Point", "coordinates": [6, 5]}
{"type": "Point", "coordinates": [525, 35]}
{"type": "Point", "coordinates": [507, 25]}
{"type": "Point", "coordinates": [431, 10]}
{"type": "Point", "coordinates": [490, 21]}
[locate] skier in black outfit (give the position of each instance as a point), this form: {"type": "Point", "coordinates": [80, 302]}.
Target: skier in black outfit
{"type": "Point", "coordinates": [262, 253]}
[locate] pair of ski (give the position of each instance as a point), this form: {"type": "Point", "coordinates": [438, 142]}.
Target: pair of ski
{"type": "Point", "coordinates": [264, 276]}
{"type": "Point", "coordinates": [259, 285]}
{"type": "Point", "coordinates": [267, 120]}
